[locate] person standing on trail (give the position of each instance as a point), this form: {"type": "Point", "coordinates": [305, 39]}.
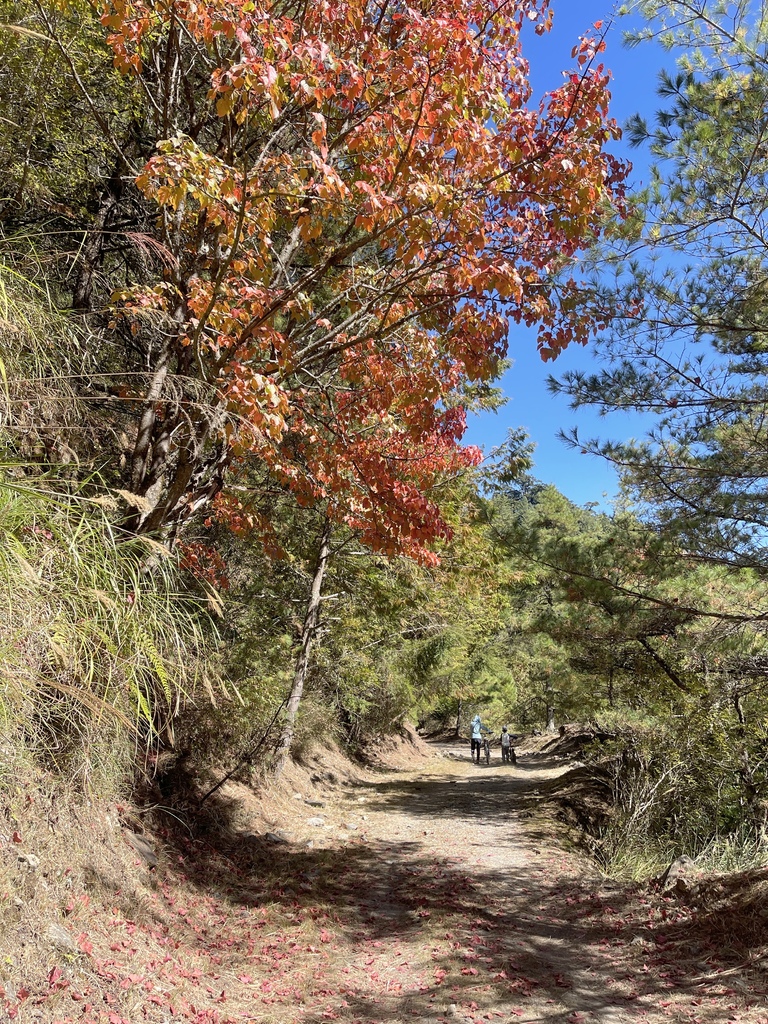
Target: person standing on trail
{"type": "Point", "coordinates": [507, 753]}
{"type": "Point", "coordinates": [476, 743]}
{"type": "Point", "coordinates": [506, 744]}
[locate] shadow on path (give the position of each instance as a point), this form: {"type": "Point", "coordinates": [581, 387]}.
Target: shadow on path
{"type": "Point", "coordinates": [449, 907]}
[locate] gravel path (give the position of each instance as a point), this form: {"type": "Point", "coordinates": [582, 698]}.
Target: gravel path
{"type": "Point", "coordinates": [483, 915]}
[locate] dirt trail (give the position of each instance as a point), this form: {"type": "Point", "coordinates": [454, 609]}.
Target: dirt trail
{"type": "Point", "coordinates": [435, 893]}
{"type": "Point", "coordinates": [483, 916]}
{"type": "Point", "coordinates": [512, 885]}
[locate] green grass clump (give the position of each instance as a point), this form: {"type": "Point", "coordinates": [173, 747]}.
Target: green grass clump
{"type": "Point", "coordinates": [100, 640]}
{"type": "Point", "coordinates": [96, 638]}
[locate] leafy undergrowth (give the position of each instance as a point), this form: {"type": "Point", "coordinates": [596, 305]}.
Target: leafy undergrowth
{"type": "Point", "coordinates": [434, 894]}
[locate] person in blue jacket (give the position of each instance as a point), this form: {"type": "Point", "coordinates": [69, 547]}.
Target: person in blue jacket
{"type": "Point", "coordinates": [476, 743]}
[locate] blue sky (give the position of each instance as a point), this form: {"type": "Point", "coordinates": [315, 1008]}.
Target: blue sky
{"type": "Point", "coordinates": [581, 478]}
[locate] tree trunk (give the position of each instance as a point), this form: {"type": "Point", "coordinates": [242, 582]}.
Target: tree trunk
{"type": "Point", "coordinates": [311, 620]}
{"type": "Point", "coordinates": [458, 719]}
{"type": "Point", "coordinates": [548, 697]}
{"type": "Point", "coordinates": [93, 245]}
{"type": "Point", "coordinates": [611, 699]}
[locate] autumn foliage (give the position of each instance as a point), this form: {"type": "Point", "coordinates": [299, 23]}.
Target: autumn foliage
{"type": "Point", "coordinates": [355, 201]}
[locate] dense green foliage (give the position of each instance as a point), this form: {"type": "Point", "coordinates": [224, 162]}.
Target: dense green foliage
{"type": "Point", "coordinates": [681, 289]}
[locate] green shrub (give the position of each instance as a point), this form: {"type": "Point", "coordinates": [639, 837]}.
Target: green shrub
{"type": "Point", "coordinates": [680, 786]}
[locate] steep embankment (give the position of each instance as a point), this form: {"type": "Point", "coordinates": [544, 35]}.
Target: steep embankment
{"type": "Point", "coordinates": [431, 891]}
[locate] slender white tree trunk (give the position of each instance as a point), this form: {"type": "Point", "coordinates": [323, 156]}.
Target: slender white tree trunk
{"type": "Point", "coordinates": [311, 620]}
{"type": "Point", "coordinates": [549, 699]}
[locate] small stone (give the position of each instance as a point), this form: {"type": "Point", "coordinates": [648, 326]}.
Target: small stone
{"type": "Point", "coordinates": [276, 837]}
{"type": "Point", "coordinates": [679, 867]}
{"type": "Point", "coordinates": [349, 825]}
{"type": "Point", "coordinates": [315, 803]}
{"type": "Point", "coordinates": [317, 821]}
{"type": "Point", "coordinates": [310, 844]}
{"type": "Point", "coordinates": [60, 937]}
{"type": "Point", "coordinates": [143, 847]}
{"type": "Point", "coordinates": [28, 862]}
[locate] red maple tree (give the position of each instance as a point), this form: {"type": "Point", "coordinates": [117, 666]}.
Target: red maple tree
{"type": "Point", "coordinates": [357, 200]}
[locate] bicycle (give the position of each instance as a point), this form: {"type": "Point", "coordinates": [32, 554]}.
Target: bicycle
{"type": "Point", "coordinates": [487, 749]}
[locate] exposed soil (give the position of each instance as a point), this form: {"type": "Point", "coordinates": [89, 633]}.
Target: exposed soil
{"type": "Point", "coordinates": [434, 891]}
